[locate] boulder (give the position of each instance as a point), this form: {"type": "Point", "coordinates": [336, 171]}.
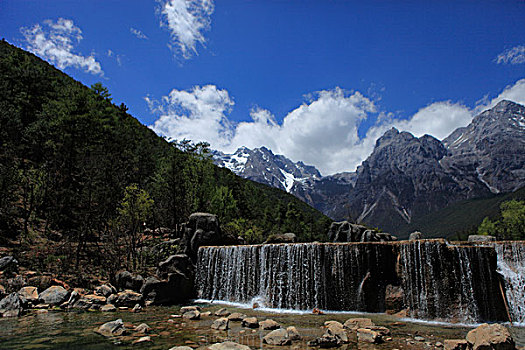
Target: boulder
{"type": "Point", "coordinates": [456, 344]}
{"type": "Point", "coordinates": [337, 330]}
{"type": "Point", "coordinates": [277, 337]}
{"type": "Point", "coordinates": [29, 293]}
{"type": "Point", "coordinates": [415, 236]}
{"type": "Point", "coordinates": [345, 231]}
{"type": "Point", "coordinates": [185, 309]}
{"type": "Point", "coordinates": [12, 305]}
{"type": "Point", "coordinates": [113, 328]}
{"type": "Point", "coordinates": [105, 290]}
{"type": "Point", "coordinates": [221, 324]}
{"type": "Point", "coordinates": [383, 331]}
{"type": "Point", "coordinates": [293, 333]}
{"type": "Point", "coordinates": [269, 325]}
{"type": "Point", "coordinates": [137, 308]}
{"type": "Point", "coordinates": [228, 346]}
{"type": "Point", "coordinates": [203, 229]}
{"type": "Point", "coordinates": [54, 295]}
{"type": "Point", "coordinates": [236, 317]}
{"type": "Point", "coordinates": [490, 336]}
{"type": "Point", "coordinates": [369, 336]}
{"type": "Point", "coordinates": [250, 322]}
{"type": "Point", "coordinates": [282, 238]}
{"type": "Point", "coordinates": [176, 289]}
{"type": "Point", "coordinates": [128, 298]}
{"type": "Point", "coordinates": [327, 341]}
{"type": "Point", "coordinates": [126, 280]}
{"type": "Point", "coordinates": [355, 323]}
{"type": "Point", "coordinates": [222, 312]}
{"type": "Point", "coordinates": [178, 263]}
{"type": "Point", "coordinates": [481, 238]}
{"type": "Point", "coordinates": [192, 315]}
{"type": "Point", "coordinates": [108, 308]}
{"type": "Point", "coordinates": [142, 328]}
{"type": "Point", "coordinates": [8, 264]}
{"type": "Point", "coordinates": [3, 292]}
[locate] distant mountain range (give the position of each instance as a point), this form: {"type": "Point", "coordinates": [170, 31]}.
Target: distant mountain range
{"type": "Point", "coordinates": [405, 178]}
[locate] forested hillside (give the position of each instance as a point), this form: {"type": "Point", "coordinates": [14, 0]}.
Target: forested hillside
{"type": "Point", "coordinates": [69, 156]}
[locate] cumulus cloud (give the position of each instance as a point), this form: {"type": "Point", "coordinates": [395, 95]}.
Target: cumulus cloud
{"type": "Point", "coordinates": [138, 33]}
{"type": "Point", "coordinates": [55, 42]}
{"type": "Point", "coordinates": [323, 131]}
{"type": "Point", "coordinates": [199, 114]}
{"type": "Point", "coordinates": [515, 55]}
{"type": "Point", "coordinates": [186, 21]}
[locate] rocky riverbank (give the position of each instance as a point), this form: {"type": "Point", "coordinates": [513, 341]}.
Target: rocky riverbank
{"type": "Point", "coordinates": [198, 327]}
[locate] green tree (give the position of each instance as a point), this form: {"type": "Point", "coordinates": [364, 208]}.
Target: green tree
{"type": "Point", "coordinates": [487, 228]}
{"type": "Point", "coordinates": [223, 204]}
{"type": "Point", "coordinates": [513, 219]}
{"type": "Point", "coordinates": [133, 212]}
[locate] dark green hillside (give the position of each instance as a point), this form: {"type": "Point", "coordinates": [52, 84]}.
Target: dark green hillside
{"type": "Point", "coordinates": [462, 218]}
{"type": "Point", "coordinates": [68, 154]}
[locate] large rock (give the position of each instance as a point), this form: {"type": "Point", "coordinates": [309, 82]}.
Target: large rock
{"type": "Point", "coordinates": [345, 231]}
{"type": "Point", "coordinates": [12, 305]}
{"type": "Point", "coordinates": [414, 236]}
{"type": "Point", "coordinates": [105, 290]}
{"type": "Point", "coordinates": [128, 298]}
{"type": "Point", "coordinates": [176, 289]}
{"type": "Point", "coordinates": [455, 344]}
{"type": "Point", "coordinates": [282, 238]}
{"type": "Point", "coordinates": [250, 322]}
{"type": "Point", "coordinates": [269, 325]}
{"type": "Point", "coordinates": [8, 264]}
{"type": "Point", "coordinates": [202, 229]}
{"type": "Point", "coordinates": [277, 337]}
{"type": "Point", "coordinates": [490, 337]}
{"type": "Point", "coordinates": [228, 346]}
{"type": "Point", "coordinates": [54, 295]}
{"type": "Point", "coordinates": [178, 263]}
{"type": "Point", "coordinates": [355, 323]}
{"type": "Point", "coordinates": [29, 293]}
{"type": "Point", "coordinates": [126, 280]}
{"type": "Point", "coordinates": [337, 330]}
{"type": "Point", "coordinates": [221, 324]}
{"type": "Point", "coordinates": [369, 336]}
{"type": "Point", "coordinates": [236, 317]}
{"type": "Point", "coordinates": [293, 333]}
{"type": "Point", "coordinates": [113, 328]}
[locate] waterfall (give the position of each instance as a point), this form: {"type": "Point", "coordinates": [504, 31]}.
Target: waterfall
{"type": "Point", "coordinates": [438, 280]}
{"type": "Point", "coordinates": [298, 276]}
{"type": "Point", "coordinates": [450, 282]}
{"type": "Point", "coordinates": [511, 265]}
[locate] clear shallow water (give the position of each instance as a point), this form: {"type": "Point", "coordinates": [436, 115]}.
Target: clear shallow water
{"type": "Point", "coordinates": [74, 330]}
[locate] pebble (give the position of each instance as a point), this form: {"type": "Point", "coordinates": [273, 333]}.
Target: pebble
{"type": "Point", "coordinates": [419, 338]}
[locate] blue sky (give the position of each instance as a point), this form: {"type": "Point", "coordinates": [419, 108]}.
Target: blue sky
{"type": "Point", "coordinates": [317, 81]}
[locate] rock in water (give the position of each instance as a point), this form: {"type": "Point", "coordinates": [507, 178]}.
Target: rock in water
{"type": "Point", "coordinates": [355, 323]}
{"type": "Point", "coordinates": [415, 236]}
{"type": "Point", "coordinates": [490, 336]}
{"type": "Point", "coordinates": [221, 324]}
{"type": "Point", "coordinates": [293, 333]}
{"type": "Point", "coordinates": [192, 315]}
{"type": "Point", "coordinates": [337, 330]}
{"type": "Point", "coordinates": [236, 317]}
{"type": "Point", "coordinates": [228, 346]}
{"type": "Point", "coordinates": [456, 344]}
{"type": "Point", "coordinates": [269, 325]}
{"type": "Point", "coordinates": [113, 328]}
{"type": "Point", "coordinates": [8, 264]}
{"type": "Point", "coordinates": [250, 322]}
{"type": "Point", "coordinates": [277, 337]}
{"type": "Point", "coordinates": [54, 295]}
{"type": "Point", "coordinates": [369, 336]}
{"type": "Point", "coordinates": [108, 308]}
{"type": "Point", "coordinates": [11, 306]}
{"type": "Point", "coordinates": [222, 312]}
{"type": "Point", "coordinates": [128, 298]}
{"type": "Point", "coordinates": [142, 328]}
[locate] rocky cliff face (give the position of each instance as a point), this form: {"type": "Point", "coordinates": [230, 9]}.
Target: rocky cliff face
{"type": "Point", "coordinates": [405, 176]}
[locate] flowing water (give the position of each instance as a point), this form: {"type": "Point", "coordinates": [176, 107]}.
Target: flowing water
{"type": "Point", "coordinates": [440, 281]}
{"type": "Point", "coordinates": [511, 265]}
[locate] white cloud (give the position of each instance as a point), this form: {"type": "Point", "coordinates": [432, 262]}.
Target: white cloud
{"type": "Point", "coordinates": [516, 55]}
{"type": "Point", "coordinates": [138, 33]}
{"type": "Point", "coordinates": [55, 42]}
{"type": "Point", "coordinates": [117, 57]}
{"type": "Point", "coordinates": [322, 132]}
{"type": "Point", "coordinates": [186, 20]}
{"type": "Point", "coordinates": [198, 115]}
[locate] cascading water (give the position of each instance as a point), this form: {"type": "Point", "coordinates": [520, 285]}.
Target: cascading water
{"type": "Point", "coordinates": [298, 276]}
{"type": "Point", "coordinates": [449, 282]}
{"type": "Point", "coordinates": [439, 280]}
{"type": "Point", "coordinates": [511, 265]}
